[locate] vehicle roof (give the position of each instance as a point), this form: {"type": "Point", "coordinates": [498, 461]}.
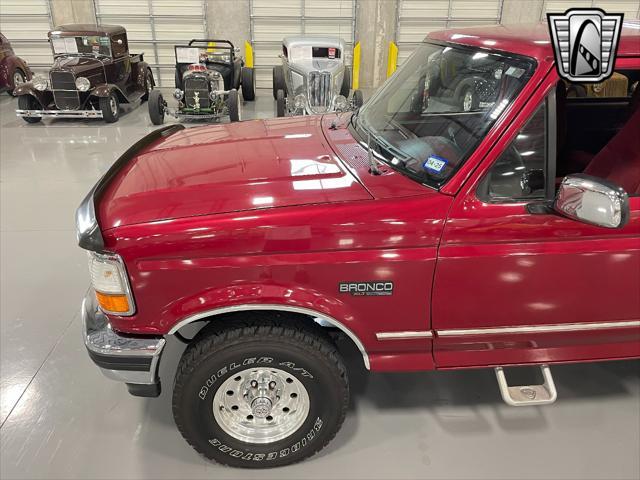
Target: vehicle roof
{"type": "Point", "coordinates": [88, 29]}
{"type": "Point", "coordinates": [303, 40]}
{"type": "Point", "coordinates": [532, 40]}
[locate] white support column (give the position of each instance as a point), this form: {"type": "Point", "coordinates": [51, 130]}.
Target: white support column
{"type": "Point", "coordinates": [375, 28]}
{"type": "Point", "coordinates": [229, 20]}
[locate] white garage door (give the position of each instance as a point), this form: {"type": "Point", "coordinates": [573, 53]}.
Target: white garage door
{"type": "Point", "coordinates": [154, 27]}
{"type": "Point", "coordinates": [272, 20]}
{"type": "Point", "coordinates": [630, 8]}
{"type": "Point", "coordinates": [26, 24]}
{"type": "Point", "coordinates": [416, 18]}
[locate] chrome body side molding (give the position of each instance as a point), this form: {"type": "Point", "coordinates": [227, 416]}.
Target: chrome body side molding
{"type": "Point", "coordinates": [563, 327]}
{"type": "Point", "coordinates": [408, 335]}
{"type": "Point", "coordinates": [318, 317]}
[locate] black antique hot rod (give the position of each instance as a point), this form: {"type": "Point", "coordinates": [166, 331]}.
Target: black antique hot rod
{"type": "Point", "coordinates": [208, 77]}
{"type": "Point", "coordinates": [92, 74]}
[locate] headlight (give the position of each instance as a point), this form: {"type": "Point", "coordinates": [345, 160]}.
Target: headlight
{"type": "Point", "coordinates": [299, 102]}
{"type": "Point", "coordinates": [340, 103]}
{"type": "Point", "coordinates": [109, 280]}
{"type": "Point", "coordinates": [177, 94]}
{"type": "Point", "coordinates": [212, 95]}
{"type": "Point", "coordinates": [83, 84]}
{"type": "Point", "coordinates": [39, 82]}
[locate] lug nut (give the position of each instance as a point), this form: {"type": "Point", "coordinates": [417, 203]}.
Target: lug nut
{"type": "Point", "coordinates": [272, 385]}
{"type": "Point", "coordinates": [254, 384]}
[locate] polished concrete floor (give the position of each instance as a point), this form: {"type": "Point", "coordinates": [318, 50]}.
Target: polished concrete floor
{"type": "Point", "coordinates": [62, 419]}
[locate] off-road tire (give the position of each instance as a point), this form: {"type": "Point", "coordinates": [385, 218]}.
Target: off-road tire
{"type": "Point", "coordinates": [229, 349]}
{"type": "Point", "coordinates": [278, 81]}
{"type": "Point", "coordinates": [233, 103]}
{"type": "Point", "coordinates": [156, 107]}
{"type": "Point", "coordinates": [24, 79]}
{"type": "Point", "coordinates": [358, 99]}
{"type": "Point", "coordinates": [281, 104]}
{"type": "Point", "coordinates": [27, 102]}
{"type": "Point", "coordinates": [248, 84]}
{"type": "Point", "coordinates": [345, 88]}
{"type": "Point", "coordinates": [110, 115]}
{"type": "Point", "coordinates": [149, 84]}
{"type": "Point", "coordinates": [475, 101]}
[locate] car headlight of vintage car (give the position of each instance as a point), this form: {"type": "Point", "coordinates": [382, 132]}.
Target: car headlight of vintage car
{"type": "Point", "coordinates": [110, 282]}
{"type": "Point", "coordinates": [178, 94]}
{"type": "Point", "coordinates": [299, 102]}
{"type": "Point", "coordinates": [83, 84]}
{"type": "Point", "coordinates": [340, 103]}
{"type": "Point", "coordinates": [40, 82]}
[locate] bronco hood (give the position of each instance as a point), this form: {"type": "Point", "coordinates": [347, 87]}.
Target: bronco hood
{"type": "Point", "coordinates": [228, 168]}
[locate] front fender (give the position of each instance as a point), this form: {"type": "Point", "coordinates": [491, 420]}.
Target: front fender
{"type": "Point", "coordinates": [44, 97]}
{"type": "Point", "coordinates": [104, 90]}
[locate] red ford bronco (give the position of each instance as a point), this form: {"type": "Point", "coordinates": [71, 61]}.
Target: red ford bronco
{"type": "Point", "coordinates": [498, 229]}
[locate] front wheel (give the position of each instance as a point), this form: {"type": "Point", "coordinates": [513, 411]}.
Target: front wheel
{"type": "Point", "coordinates": [18, 78]}
{"type": "Point", "coordinates": [279, 82]}
{"type": "Point", "coordinates": [248, 84]}
{"type": "Point", "coordinates": [27, 102]}
{"type": "Point", "coordinates": [156, 107]}
{"type": "Point", "coordinates": [345, 88]}
{"type": "Point", "coordinates": [469, 100]}
{"type": "Point", "coordinates": [233, 104]}
{"type": "Point", "coordinates": [261, 393]}
{"type": "Point", "coordinates": [110, 107]}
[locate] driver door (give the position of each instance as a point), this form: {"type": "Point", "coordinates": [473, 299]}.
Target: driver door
{"type": "Point", "coordinates": [515, 286]}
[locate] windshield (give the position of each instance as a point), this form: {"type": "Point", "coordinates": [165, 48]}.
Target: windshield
{"type": "Point", "coordinates": [83, 45]}
{"type": "Point", "coordinates": [203, 54]}
{"type": "Point", "coordinates": [429, 117]}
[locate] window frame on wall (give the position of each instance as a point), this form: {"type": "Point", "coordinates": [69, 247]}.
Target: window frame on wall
{"type": "Point", "coordinates": [21, 45]}
{"type": "Point", "coordinates": [158, 59]}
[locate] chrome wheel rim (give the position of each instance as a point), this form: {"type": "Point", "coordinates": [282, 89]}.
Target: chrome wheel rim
{"type": "Point", "coordinates": [467, 103]}
{"type": "Point", "coordinates": [18, 79]}
{"type": "Point", "coordinates": [261, 405]}
{"type": "Point", "coordinates": [113, 105]}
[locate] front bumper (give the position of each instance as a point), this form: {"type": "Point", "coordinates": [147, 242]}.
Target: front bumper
{"type": "Point", "coordinates": [60, 113]}
{"type": "Point", "coordinates": [130, 359]}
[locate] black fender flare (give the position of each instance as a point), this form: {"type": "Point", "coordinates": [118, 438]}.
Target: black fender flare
{"type": "Point", "coordinates": [44, 97]}
{"type": "Point", "coordinates": [104, 90]}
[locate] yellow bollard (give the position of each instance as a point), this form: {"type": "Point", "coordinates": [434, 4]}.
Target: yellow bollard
{"type": "Point", "coordinates": [392, 59]}
{"type": "Point", "coordinates": [355, 79]}
{"type": "Point", "coordinates": [248, 54]}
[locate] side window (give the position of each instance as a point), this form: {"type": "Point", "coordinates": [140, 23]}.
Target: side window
{"type": "Point", "coordinates": [119, 45]}
{"type": "Point", "coordinates": [519, 173]}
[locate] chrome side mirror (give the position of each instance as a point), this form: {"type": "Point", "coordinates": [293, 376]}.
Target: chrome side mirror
{"type": "Point", "coordinates": [592, 200]}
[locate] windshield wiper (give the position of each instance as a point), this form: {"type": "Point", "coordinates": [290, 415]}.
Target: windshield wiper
{"type": "Point", "coordinates": [373, 164]}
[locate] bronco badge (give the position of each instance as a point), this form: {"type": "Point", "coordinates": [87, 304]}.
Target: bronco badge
{"type": "Point", "coordinates": [372, 289]}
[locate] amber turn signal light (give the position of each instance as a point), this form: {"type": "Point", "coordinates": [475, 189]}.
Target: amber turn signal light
{"type": "Point", "coordinates": [113, 303]}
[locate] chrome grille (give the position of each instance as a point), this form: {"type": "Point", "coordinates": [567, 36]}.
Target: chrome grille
{"type": "Point", "coordinates": [193, 85]}
{"type": "Point", "coordinates": [65, 94]}
{"type": "Point", "coordinates": [320, 89]}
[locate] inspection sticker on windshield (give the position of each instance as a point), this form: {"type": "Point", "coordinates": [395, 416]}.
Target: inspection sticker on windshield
{"type": "Point", "coordinates": [435, 163]}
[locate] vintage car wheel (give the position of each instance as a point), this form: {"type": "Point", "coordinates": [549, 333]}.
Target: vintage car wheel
{"type": "Point", "coordinates": [345, 88]}
{"type": "Point", "coordinates": [18, 79]}
{"type": "Point", "coordinates": [278, 81]}
{"type": "Point", "coordinates": [27, 102]}
{"type": "Point", "coordinates": [358, 99]}
{"type": "Point", "coordinates": [280, 104]}
{"type": "Point", "coordinates": [233, 103]}
{"type": "Point", "coordinates": [156, 107]}
{"type": "Point", "coordinates": [248, 84]}
{"type": "Point", "coordinates": [110, 107]}
{"type": "Point", "coordinates": [149, 85]}
{"type": "Point", "coordinates": [260, 393]}
{"type": "Point", "coordinates": [469, 100]}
